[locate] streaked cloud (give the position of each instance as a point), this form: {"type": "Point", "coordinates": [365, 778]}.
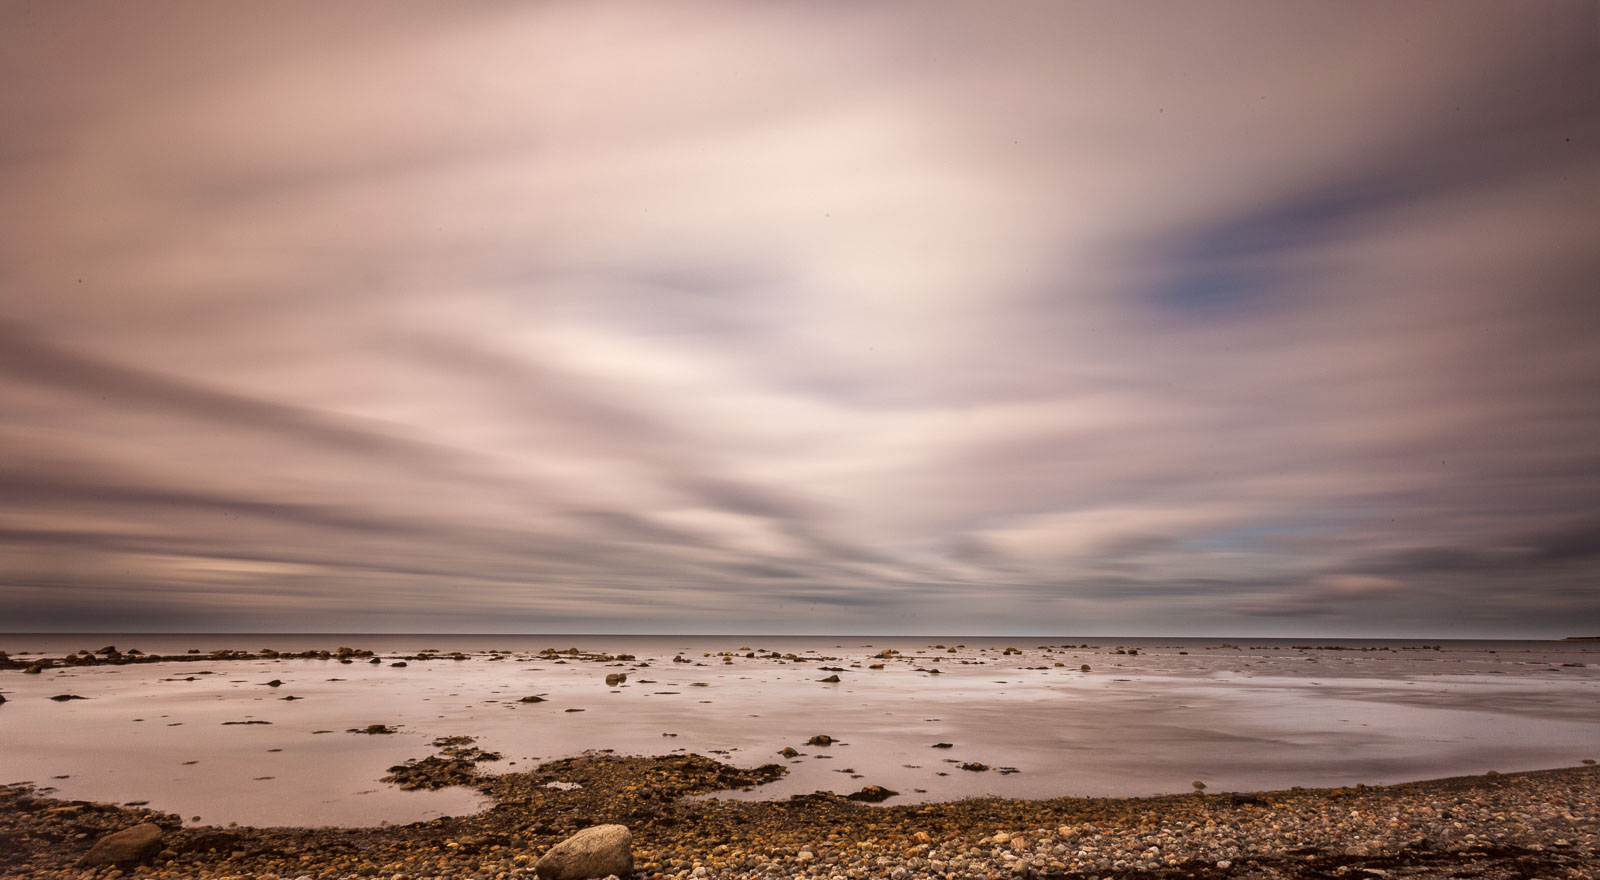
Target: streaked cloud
{"type": "Point", "coordinates": [614, 316]}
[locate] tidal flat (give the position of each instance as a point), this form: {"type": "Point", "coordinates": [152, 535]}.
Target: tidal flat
{"type": "Point", "coordinates": [737, 754]}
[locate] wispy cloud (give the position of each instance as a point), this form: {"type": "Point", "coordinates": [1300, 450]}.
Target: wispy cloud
{"type": "Point", "coordinates": [783, 318]}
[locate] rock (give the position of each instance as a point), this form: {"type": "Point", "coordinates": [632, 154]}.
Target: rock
{"type": "Point", "coordinates": [400, 664]}
{"type": "Point", "coordinates": [789, 752]}
{"type": "Point", "coordinates": [944, 745]}
{"type": "Point", "coordinates": [616, 678]}
{"type": "Point", "coordinates": [276, 682]}
{"type": "Point", "coordinates": [62, 698]}
{"type": "Point", "coordinates": [975, 767]}
{"type": "Point", "coordinates": [1198, 785]}
{"type": "Point", "coordinates": [373, 729]}
{"type": "Point", "coordinates": [126, 847]}
{"type": "Point", "coordinates": [1083, 668]}
{"type": "Point", "coordinates": [872, 794]}
{"type": "Point", "coordinates": [2, 698]}
{"type": "Point", "coordinates": [531, 700]}
{"type": "Point", "coordinates": [821, 739]}
{"type": "Point", "coordinates": [35, 669]}
{"type": "Point", "coordinates": [597, 851]}
{"type": "Point", "coordinates": [830, 679]}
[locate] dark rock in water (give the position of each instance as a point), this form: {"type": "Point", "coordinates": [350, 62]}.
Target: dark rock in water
{"type": "Point", "coordinates": [226, 723]}
{"type": "Point", "coordinates": [616, 678]}
{"type": "Point", "coordinates": [574, 710]}
{"type": "Point", "coordinates": [789, 752]}
{"type": "Point", "coordinates": [531, 700]}
{"type": "Point", "coordinates": [599, 851]}
{"type": "Point", "coordinates": [372, 729]}
{"type": "Point", "coordinates": [830, 679]}
{"type": "Point", "coordinates": [821, 739]}
{"type": "Point", "coordinates": [108, 649]}
{"type": "Point", "coordinates": [1083, 668]}
{"type": "Point", "coordinates": [375, 660]}
{"type": "Point", "coordinates": [2, 698]}
{"type": "Point", "coordinates": [35, 669]}
{"type": "Point", "coordinates": [276, 682]}
{"type": "Point", "coordinates": [291, 697]}
{"type": "Point", "coordinates": [872, 794]}
{"type": "Point", "coordinates": [974, 766]}
{"type": "Point", "coordinates": [399, 664]}
{"type": "Point", "coordinates": [124, 848]}
{"type": "Point", "coordinates": [62, 698]}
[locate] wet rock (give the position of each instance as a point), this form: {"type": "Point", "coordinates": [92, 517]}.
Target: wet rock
{"type": "Point", "coordinates": [126, 847]}
{"type": "Point", "coordinates": [872, 794]}
{"type": "Point", "coordinates": [975, 767]}
{"type": "Point", "coordinates": [276, 682]}
{"type": "Point", "coordinates": [821, 739]}
{"type": "Point", "coordinates": [616, 678]}
{"type": "Point", "coordinates": [35, 669]}
{"type": "Point", "coordinates": [944, 745]}
{"type": "Point", "coordinates": [597, 851]}
{"type": "Point", "coordinates": [62, 698]}
{"type": "Point", "coordinates": [372, 729]}
{"type": "Point", "coordinates": [789, 752]}
{"type": "Point", "coordinates": [531, 700]}
{"type": "Point", "coordinates": [399, 664]}
{"type": "Point", "coordinates": [830, 679]}
{"type": "Point", "coordinates": [2, 698]}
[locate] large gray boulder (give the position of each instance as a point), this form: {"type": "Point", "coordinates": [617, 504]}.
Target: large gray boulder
{"type": "Point", "coordinates": [126, 847]}
{"type": "Point", "coordinates": [592, 852]}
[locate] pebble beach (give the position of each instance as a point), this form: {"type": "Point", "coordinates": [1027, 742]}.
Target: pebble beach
{"type": "Point", "coordinates": [697, 815]}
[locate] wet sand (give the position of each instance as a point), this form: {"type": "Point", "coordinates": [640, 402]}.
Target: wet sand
{"type": "Point", "coordinates": [1241, 717]}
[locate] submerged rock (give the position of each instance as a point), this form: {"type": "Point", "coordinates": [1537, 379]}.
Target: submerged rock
{"type": "Point", "coordinates": [126, 847]}
{"type": "Point", "coordinates": [821, 739]}
{"type": "Point", "coordinates": [598, 851]}
{"type": "Point", "coordinates": [872, 794]}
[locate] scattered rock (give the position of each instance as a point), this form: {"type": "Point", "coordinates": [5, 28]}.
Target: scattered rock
{"type": "Point", "coordinates": [821, 739]}
{"type": "Point", "coordinates": [62, 698]}
{"type": "Point", "coordinates": [372, 729]}
{"type": "Point", "coordinates": [789, 752]}
{"type": "Point", "coordinates": [830, 679]}
{"type": "Point", "coordinates": [1198, 785]}
{"type": "Point", "coordinates": [531, 700]}
{"type": "Point", "coordinates": [124, 848]}
{"type": "Point", "coordinates": [872, 794]}
{"type": "Point", "coordinates": [975, 767]}
{"type": "Point", "coordinates": [944, 745]}
{"type": "Point", "coordinates": [597, 851]}
{"type": "Point", "coordinates": [276, 682]}
{"type": "Point", "coordinates": [229, 723]}
{"type": "Point", "coordinates": [616, 678]}
{"type": "Point", "coordinates": [399, 664]}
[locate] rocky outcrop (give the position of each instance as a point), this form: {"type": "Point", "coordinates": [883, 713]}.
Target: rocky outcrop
{"type": "Point", "coordinates": [593, 852]}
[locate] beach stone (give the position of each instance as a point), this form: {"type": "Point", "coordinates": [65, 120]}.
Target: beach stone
{"type": "Point", "coordinates": [821, 739]}
{"type": "Point", "coordinates": [592, 852]}
{"type": "Point", "coordinates": [126, 847]}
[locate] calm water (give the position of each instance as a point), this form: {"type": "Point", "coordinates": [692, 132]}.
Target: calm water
{"type": "Point", "coordinates": [1265, 714]}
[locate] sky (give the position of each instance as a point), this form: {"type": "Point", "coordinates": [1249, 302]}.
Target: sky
{"type": "Point", "coordinates": [954, 318]}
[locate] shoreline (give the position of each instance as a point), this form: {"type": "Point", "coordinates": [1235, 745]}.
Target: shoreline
{"type": "Point", "coordinates": [1543, 823]}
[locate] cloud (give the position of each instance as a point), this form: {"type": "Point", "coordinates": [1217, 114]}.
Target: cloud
{"type": "Point", "coordinates": [712, 316]}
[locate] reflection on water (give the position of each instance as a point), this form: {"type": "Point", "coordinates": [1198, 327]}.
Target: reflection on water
{"type": "Point", "coordinates": [1152, 719]}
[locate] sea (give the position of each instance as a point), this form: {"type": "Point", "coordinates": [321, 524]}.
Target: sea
{"type": "Point", "coordinates": [1047, 716]}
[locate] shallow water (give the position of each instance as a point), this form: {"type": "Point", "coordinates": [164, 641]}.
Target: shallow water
{"type": "Point", "coordinates": [1265, 714]}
